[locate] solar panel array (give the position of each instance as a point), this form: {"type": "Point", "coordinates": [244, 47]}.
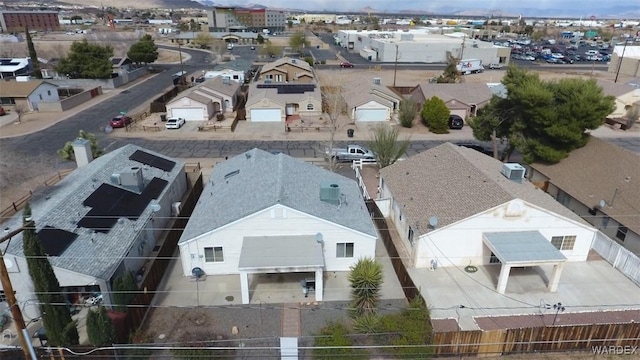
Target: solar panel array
{"type": "Point", "coordinates": [55, 241]}
{"type": "Point", "coordinates": [109, 203]}
{"type": "Point", "coordinates": [289, 88]}
{"type": "Point", "coordinates": [152, 160]}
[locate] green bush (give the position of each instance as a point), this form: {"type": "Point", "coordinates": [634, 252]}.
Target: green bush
{"type": "Point", "coordinates": [335, 334]}
{"type": "Point", "coordinates": [100, 330]}
{"type": "Point", "coordinates": [410, 327]}
{"type": "Point", "coordinates": [366, 324]}
{"type": "Point", "coordinates": [435, 115]}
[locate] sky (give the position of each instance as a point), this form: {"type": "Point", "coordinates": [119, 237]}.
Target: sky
{"type": "Point", "coordinates": [581, 7]}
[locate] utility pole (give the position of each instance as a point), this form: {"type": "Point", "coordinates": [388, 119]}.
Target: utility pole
{"type": "Point", "coordinates": [395, 67]}
{"type": "Point", "coordinates": [182, 77]}
{"type": "Point", "coordinates": [16, 314]}
{"type": "Point", "coordinates": [621, 58]}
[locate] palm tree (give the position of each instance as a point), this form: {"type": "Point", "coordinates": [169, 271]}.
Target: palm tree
{"type": "Point", "coordinates": [366, 280]}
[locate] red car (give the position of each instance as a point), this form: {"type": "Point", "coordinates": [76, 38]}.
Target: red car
{"type": "Point", "coordinates": [120, 121]}
{"type": "Point", "coordinates": [346, 64]}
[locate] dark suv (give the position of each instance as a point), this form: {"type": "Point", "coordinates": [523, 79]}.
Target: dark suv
{"type": "Point", "coordinates": [455, 122]}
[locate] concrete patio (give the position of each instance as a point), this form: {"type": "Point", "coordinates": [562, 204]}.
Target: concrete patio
{"type": "Point", "coordinates": [220, 290]}
{"type": "Point", "coordinates": [590, 286]}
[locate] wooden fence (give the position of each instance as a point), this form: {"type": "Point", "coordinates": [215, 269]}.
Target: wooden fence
{"type": "Point", "coordinates": [19, 204]}
{"type": "Point", "coordinates": [539, 339]}
{"type": "Point", "coordinates": [408, 286]}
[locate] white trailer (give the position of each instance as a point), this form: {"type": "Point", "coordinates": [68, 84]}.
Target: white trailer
{"type": "Point", "coordinates": [470, 66]}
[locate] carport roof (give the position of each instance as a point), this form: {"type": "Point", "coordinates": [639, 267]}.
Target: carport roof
{"type": "Point", "coordinates": [280, 252]}
{"type": "Point", "coordinates": [518, 247]}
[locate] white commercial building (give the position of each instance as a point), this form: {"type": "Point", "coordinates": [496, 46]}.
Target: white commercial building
{"type": "Point", "coordinates": [419, 45]}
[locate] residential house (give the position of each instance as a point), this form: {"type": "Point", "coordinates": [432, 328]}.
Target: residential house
{"type": "Point", "coordinates": [371, 101]}
{"type": "Point", "coordinates": [121, 64]}
{"type": "Point", "coordinates": [12, 67]}
{"type": "Point", "coordinates": [462, 99]}
{"type": "Point", "coordinates": [104, 219]}
{"type": "Point", "coordinates": [27, 93]}
{"type": "Point", "coordinates": [278, 102]}
{"type": "Point", "coordinates": [626, 96]}
{"type": "Point", "coordinates": [287, 70]}
{"type": "Point", "coordinates": [201, 102]}
{"type": "Point", "coordinates": [601, 183]}
{"type": "Point", "coordinates": [264, 213]}
{"type": "Point", "coordinates": [227, 73]}
{"type": "Point", "coordinates": [453, 207]}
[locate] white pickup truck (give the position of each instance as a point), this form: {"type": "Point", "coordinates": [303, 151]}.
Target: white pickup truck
{"type": "Point", "coordinates": [352, 152]}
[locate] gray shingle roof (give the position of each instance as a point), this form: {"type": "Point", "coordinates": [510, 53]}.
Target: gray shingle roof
{"type": "Point", "coordinates": [264, 180]}
{"type": "Point", "coordinates": [594, 172]}
{"type": "Point", "coordinates": [453, 183]}
{"type": "Point", "coordinates": [257, 94]}
{"type": "Point", "coordinates": [61, 206]}
{"type": "Point", "coordinates": [226, 87]}
{"type": "Point", "coordinates": [364, 91]}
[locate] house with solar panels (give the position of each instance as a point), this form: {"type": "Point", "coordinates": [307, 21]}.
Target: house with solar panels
{"type": "Point", "coordinates": [104, 219]}
{"type": "Point", "coordinates": [261, 213]}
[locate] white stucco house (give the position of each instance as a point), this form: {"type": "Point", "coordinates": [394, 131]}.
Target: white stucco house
{"type": "Point", "coordinates": [201, 102]}
{"type": "Point", "coordinates": [102, 220]}
{"type": "Point", "coordinates": [369, 100]}
{"type": "Point", "coordinates": [266, 213]}
{"type": "Point", "coordinates": [456, 207]}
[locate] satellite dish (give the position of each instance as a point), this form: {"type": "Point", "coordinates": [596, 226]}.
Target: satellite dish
{"type": "Point", "coordinates": [8, 263]}
{"type": "Point", "coordinates": [319, 238]}
{"type": "Point", "coordinates": [433, 221]}
{"type": "Point", "coordinates": [197, 272]}
{"type": "Point", "coordinates": [602, 203]}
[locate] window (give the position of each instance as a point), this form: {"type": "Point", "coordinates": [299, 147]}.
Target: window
{"type": "Point", "coordinates": [622, 232]}
{"type": "Point", "coordinates": [493, 259]}
{"type": "Point", "coordinates": [213, 254]}
{"type": "Point", "coordinates": [49, 92]}
{"type": "Point", "coordinates": [410, 235]}
{"type": "Point", "coordinates": [605, 221]}
{"type": "Point", "coordinates": [564, 242]}
{"type": "Point", "coordinates": [562, 198]}
{"type": "Point", "coordinates": [344, 250]}
{"type": "Point", "coordinates": [309, 107]}
{"type": "Point", "coordinates": [40, 95]}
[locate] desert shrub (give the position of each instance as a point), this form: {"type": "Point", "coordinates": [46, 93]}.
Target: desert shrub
{"type": "Point", "coordinates": [336, 334]}
{"type": "Point", "coordinates": [407, 112]}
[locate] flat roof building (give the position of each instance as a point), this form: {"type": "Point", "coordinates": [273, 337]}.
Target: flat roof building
{"type": "Point", "coordinates": [17, 20]}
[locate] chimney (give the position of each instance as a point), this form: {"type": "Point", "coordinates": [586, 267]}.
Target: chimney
{"type": "Point", "coordinates": [82, 151]}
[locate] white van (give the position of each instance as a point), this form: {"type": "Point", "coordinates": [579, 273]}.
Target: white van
{"type": "Point", "coordinates": [592, 52]}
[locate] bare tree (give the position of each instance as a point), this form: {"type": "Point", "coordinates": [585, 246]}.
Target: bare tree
{"type": "Point", "coordinates": [334, 109]}
{"type": "Point", "coordinates": [632, 115]}
{"type": "Point", "coordinates": [20, 110]}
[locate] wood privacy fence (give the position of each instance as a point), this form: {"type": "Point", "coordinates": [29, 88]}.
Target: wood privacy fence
{"type": "Point", "coordinates": [408, 286]}
{"type": "Point", "coordinates": [19, 204]}
{"type": "Point", "coordinates": [541, 339]}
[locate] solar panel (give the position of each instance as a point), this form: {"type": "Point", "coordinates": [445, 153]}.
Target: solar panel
{"type": "Point", "coordinates": [55, 241]}
{"type": "Point", "coordinates": [289, 88]}
{"type": "Point", "coordinates": [152, 160]}
{"type": "Point", "coordinates": [109, 203]}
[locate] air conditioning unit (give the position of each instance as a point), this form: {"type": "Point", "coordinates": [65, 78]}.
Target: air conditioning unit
{"type": "Point", "coordinates": [376, 81]}
{"type": "Point", "coordinates": [513, 171]}
{"type": "Point", "coordinates": [176, 207]}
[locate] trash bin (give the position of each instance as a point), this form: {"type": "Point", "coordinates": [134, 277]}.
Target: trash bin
{"type": "Point", "coordinates": [163, 117]}
{"type": "Point", "coordinates": [350, 133]}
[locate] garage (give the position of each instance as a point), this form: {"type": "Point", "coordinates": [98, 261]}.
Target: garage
{"type": "Point", "coordinates": [189, 114]}
{"type": "Point", "coordinates": [371, 114]}
{"type": "Point", "coordinates": [266, 115]}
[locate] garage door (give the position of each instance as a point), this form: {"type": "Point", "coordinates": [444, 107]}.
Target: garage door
{"type": "Point", "coordinates": [371, 114]}
{"type": "Point", "coordinates": [189, 114]}
{"type": "Point", "coordinates": [265, 115]}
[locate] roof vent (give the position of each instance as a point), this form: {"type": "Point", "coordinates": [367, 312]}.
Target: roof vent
{"type": "Point", "coordinates": [330, 192]}
{"type": "Point", "coordinates": [231, 174]}
{"type": "Point", "coordinates": [376, 81]}
{"type": "Point", "coordinates": [513, 171]}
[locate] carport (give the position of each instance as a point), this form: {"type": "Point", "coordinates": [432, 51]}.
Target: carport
{"type": "Point", "coordinates": [281, 254]}
{"type": "Point", "coordinates": [521, 249]}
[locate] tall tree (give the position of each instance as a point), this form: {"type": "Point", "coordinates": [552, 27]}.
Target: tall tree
{"type": "Point", "coordinates": [60, 327]}
{"type": "Point", "coordinates": [298, 41]}
{"type": "Point", "coordinates": [100, 329]}
{"type": "Point", "coordinates": [435, 115]}
{"type": "Point", "coordinates": [66, 153]}
{"type": "Point", "coordinates": [386, 145]}
{"type": "Point", "coordinates": [544, 121]}
{"type": "Point", "coordinates": [35, 63]}
{"type": "Point", "coordinates": [450, 73]}
{"type": "Point", "coordinates": [124, 288]}
{"type": "Point", "coordinates": [86, 61]}
{"type": "Point", "coordinates": [143, 51]}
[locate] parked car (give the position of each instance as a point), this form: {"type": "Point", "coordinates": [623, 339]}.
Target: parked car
{"type": "Point", "coordinates": [495, 66]}
{"type": "Point", "coordinates": [174, 123]}
{"type": "Point", "coordinates": [352, 152]}
{"type": "Point", "coordinates": [346, 64]}
{"type": "Point", "coordinates": [456, 122]}
{"type": "Point", "coordinates": [120, 121]}
{"type": "Point", "coordinates": [253, 47]}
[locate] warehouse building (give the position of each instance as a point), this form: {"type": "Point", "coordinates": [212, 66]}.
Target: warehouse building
{"type": "Point", "coordinates": [625, 61]}
{"type": "Point", "coordinates": [420, 45]}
